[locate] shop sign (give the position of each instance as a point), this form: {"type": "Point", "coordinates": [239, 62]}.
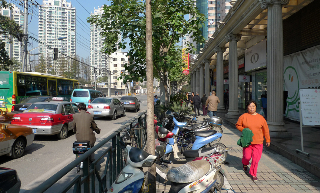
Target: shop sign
{"type": "Point", "coordinates": [244, 78]}
{"type": "Point", "coordinates": [226, 81]}
{"type": "Point", "coordinates": [256, 56]}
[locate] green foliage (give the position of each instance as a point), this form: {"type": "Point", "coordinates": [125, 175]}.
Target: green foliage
{"type": "Point", "coordinates": [5, 61]}
{"type": "Point", "coordinates": [126, 18]}
{"type": "Point", "coordinates": [41, 67]}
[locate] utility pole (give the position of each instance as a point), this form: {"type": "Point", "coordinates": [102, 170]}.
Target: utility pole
{"type": "Point", "coordinates": [25, 36]}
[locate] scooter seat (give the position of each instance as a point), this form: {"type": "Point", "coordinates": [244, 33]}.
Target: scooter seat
{"type": "Point", "coordinates": [189, 172]}
{"type": "Point", "coordinates": [199, 152]}
{"type": "Point", "coordinates": [179, 124]}
{"type": "Point", "coordinates": [163, 130]}
{"type": "Point", "coordinates": [205, 133]}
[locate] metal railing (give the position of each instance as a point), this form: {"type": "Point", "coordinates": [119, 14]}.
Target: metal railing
{"type": "Point", "coordinates": [86, 182]}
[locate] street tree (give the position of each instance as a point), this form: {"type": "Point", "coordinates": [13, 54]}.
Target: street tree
{"type": "Point", "coordinates": [126, 18]}
{"type": "Point", "coordinates": [41, 67]}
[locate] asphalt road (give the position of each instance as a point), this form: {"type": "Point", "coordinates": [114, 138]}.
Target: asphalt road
{"type": "Point", "coordinates": [47, 155]}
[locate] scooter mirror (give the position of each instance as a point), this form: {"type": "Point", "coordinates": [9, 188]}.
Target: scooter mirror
{"type": "Point", "coordinates": [160, 150]}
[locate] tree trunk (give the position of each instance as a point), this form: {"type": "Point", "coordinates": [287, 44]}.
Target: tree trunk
{"type": "Point", "coordinates": [151, 177]}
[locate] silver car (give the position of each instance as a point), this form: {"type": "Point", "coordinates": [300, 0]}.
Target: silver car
{"type": "Point", "coordinates": [131, 103]}
{"type": "Point", "coordinates": [106, 107]}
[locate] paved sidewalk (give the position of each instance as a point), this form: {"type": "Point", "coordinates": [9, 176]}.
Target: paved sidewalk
{"type": "Point", "coordinates": [275, 172]}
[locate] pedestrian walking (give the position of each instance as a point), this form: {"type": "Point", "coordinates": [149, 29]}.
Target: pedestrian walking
{"type": "Point", "coordinates": [203, 102]}
{"type": "Point", "coordinates": [226, 99]}
{"type": "Point", "coordinates": [191, 100]}
{"type": "Point", "coordinates": [258, 125]}
{"type": "Point", "coordinates": [264, 105]}
{"type": "Point", "coordinates": [212, 104]}
{"type": "Point", "coordinates": [187, 100]}
{"type": "Point", "coordinates": [196, 103]}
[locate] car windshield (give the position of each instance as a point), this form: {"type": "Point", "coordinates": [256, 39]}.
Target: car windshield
{"type": "Point", "coordinates": [33, 100]}
{"type": "Point", "coordinates": [127, 98]}
{"type": "Point", "coordinates": [101, 100]}
{"type": "Point", "coordinates": [80, 94]}
{"type": "Point", "coordinates": [42, 108]}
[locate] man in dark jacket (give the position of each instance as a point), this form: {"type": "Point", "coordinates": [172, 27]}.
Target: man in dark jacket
{"type": "Point", "coordinates": [203, 102]}
{"type": "Point", "coordinates": [84, 125]}
{"type": "Point", "coordinates": [196, 103]}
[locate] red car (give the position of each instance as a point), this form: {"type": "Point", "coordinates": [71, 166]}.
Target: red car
{"type": "Point", "coordinates": [48, 118]}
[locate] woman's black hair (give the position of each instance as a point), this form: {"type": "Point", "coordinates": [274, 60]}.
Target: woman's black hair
{"type": "Point", "coordinates": [251, 101]}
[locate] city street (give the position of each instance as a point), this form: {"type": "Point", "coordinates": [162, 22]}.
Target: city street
{"type": "Point", "coordinates": [47, 155]}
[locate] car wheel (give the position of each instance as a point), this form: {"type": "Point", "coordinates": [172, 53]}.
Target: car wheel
{"type": "Point", "coordinates": [114, 116]}
{"type": "Point", "coordinates": [63, 132]}
{"type": "Point", "coordinates": [18, 148]}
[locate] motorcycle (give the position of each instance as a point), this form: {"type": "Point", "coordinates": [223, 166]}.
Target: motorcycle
{"type": "Point", "coordinates": [203, 174]}
{"type": "Point", "coordinates": [131, 178]}
{"type": "Point", "coordinates": [79, 148]}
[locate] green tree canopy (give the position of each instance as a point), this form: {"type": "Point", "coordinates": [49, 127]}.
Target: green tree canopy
{"type": "Point", "coordinates": [126, 18]}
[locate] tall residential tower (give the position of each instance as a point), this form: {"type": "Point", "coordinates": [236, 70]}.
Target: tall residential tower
{"type": "Point", "coordinates": [13, 47]}
{"type": "Point", "coordinates": [57, 29]}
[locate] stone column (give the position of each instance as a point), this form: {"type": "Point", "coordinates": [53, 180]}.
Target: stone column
{"type": "Point", "coordinates": [233, 111]}
{"type": "Point", "coordinates": [275, 65]}
{"type": "Point", "coordinates": [219, 74]}
{"type": "Point", "coordinates": [197, 81]}
{"type": "Point", "coordinates": [207, 78]}
{"type": "Point", "coordinates": [194, 81]}
{"type": "Point", "coordinates": [201, 81]}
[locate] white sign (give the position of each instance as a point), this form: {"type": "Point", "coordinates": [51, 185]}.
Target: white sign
{"type": "Point", "coordinates": [226, 81]}
{"type": "Point", "coordinates": [244, 78]}
{"type": "Point", "coordinates": [256, 56]}
{"type": "Point", "coordinates": [301, 70]}
{"type": "Point", "coordinates": [310, 103]}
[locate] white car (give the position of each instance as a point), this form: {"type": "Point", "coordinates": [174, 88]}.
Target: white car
{"type": "Point", "coordinates": [106, 107]}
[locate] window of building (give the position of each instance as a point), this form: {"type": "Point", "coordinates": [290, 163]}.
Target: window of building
{"type": "Point", "coordinates": [114, 59]}
{"type": "Point", "coordinates": [115, 65]}
{"type": "Point", "coordinates": [122, 59]}
{"type": "Point", "coordinates": [5, 12]}
{"type": "Point", "coordinates": [114, 77]}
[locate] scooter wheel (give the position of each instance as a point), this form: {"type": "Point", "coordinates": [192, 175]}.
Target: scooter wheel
{"type": "Point", "coordinates": [219, 183]}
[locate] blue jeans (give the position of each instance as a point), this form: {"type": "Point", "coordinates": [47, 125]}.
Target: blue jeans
{"type": "Point", "coordinates": [212, 113]}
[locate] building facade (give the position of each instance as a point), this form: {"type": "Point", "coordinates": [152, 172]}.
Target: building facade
{"type": "Point", "coordinates": [98, 59]}
{"type": "Point", "coordinates": [116, 66]}
{"type": "Point", "coordinates": [57, 29]}
{"type": "Point", "coordinates": [215, 11]}
{"type": "Point", "coordinates": [13, 47]}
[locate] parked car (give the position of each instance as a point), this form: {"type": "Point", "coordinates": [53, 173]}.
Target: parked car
{"type": "Point", "coordinates": [106, 107]}
{"type": "Point", "coordinates": [48, 118]}
{"type": "Point", "coordinates": [5, 117]}
{"type": "Point", "coordinates": [131, 103]}
{"type": "Point", "coordinates": [9, 180]}
{"type": "Point", "coordinates": [14, 138]}
{"type": "Point", "coordinates": [24, 104]}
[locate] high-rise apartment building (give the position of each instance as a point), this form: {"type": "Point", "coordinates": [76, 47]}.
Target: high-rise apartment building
{"type": "Point", "coordinates": [13, 47]}
{"type": "Point", "coordinates": [113, 63]}
{"type": "Point", "coordinates": [57, 29]}
{"type": "Point", "coordinates": [98, 59]}
{"type": "Point", "coordinates": [117, 62]}
{"type": "Point", "coordinates": [215, 12]}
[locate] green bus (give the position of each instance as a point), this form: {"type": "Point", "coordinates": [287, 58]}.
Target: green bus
{"type": "Point", "coordinates": [16, 86]}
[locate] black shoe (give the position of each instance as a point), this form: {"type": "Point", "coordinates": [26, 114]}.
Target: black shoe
{"type": "Point", "coordinates": [245, 168]}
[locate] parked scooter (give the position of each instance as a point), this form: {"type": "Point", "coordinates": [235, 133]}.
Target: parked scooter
{"type": "Point", "coordinates": [203, 174]}
{"type": "Point", "coordinates": [131, 178]}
